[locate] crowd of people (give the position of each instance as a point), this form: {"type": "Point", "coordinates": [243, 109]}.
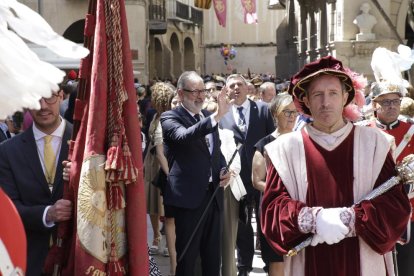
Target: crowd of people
{"type": "Point", "coordinates": [300, 156]}
{"type": "Point", "coordinates": [297, 187]}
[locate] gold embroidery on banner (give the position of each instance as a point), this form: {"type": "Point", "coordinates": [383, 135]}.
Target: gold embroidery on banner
{"type": "Point", "coordinates": [219, 6]}
{"type": "Point", "coordinates": [248, 6]}
{"type": "Point", "coordinates": [93, 223]}
{"type": "Point", "coordinates": [94, 271]}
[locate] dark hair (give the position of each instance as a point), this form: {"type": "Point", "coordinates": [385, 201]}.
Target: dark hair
{"type": "Point", "coordinates": [71, 103]}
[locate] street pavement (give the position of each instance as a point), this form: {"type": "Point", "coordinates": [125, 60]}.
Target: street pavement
{"type": "Point", "coordinates": [164, 262]}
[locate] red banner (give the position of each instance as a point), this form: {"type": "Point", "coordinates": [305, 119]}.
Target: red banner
{"type": "Point", "coordinates": [249, 8]}
{"type": "Point", "coordinates": [108, 235]}
{"type": "Point", "coordinates": [220, 9]}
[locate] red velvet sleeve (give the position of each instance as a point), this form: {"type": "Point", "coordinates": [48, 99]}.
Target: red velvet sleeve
{"type": "Point", "coordinates": [381, 221]}
{"type": "Point", "coordinates": [279, 215]}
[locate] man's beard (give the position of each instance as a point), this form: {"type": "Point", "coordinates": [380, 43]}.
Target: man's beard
{"type": "Point", "coordinates": [193, 106]}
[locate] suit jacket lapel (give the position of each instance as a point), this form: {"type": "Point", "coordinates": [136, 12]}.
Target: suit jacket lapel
{"type": "Point", "coordinates": [216, 145]}
{"type": "Point", "coordinates": [254, 117]}
{"type": "Point", "coordinates": [29, 148]}
{"type": "Point", "coordinates": [188, 120]}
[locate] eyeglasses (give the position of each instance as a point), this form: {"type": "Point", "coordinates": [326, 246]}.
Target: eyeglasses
{"type": "Point", "coordinates": [289, 113]}
{"type": "Point", "coordinates": [197, 92]}
{"type": "Point", "coordinates": [51, 100]}
{"type": "Point", "coordinates": [388, 103]}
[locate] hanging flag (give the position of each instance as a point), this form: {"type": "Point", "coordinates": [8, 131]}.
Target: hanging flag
{"type": "Point", "coordinates": [108, 234]}
{"type": "Point", "coordinates": [249, 8]}
{"type": "Point", "coordinates": [202, 4]}
{"type": "Point", "coordinates": [220, 9]}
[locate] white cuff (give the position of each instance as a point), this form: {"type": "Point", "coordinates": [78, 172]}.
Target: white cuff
{"type": "Point", "coordinates": [213, 121]}
{"type": "Point", "coordinates": [307, 219]}
{"type": "Point", "coordinates": [348, 218]}
{"type": "Point", "coordinates": [50, 224]}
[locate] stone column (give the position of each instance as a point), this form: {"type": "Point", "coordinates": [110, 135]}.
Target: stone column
{"type": "Point", "coordinates": [313, 34]}
{"type": "Point", "coordinates": [323, 40]}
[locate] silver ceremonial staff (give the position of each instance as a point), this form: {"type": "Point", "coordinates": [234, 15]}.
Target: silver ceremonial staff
{"type": "Point", "coordinates": [405, 175]}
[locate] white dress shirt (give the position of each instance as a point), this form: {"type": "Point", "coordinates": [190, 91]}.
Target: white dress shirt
{"type": "Point", "coordinates": [57, 137]}
{"type": "Point", "coordinates": [246, 112]}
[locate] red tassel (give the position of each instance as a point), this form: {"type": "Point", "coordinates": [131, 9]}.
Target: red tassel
{"type": "Point", "coordinates": [116, 267]}
{"type": "Point", "coordinates": [118, 198]}
{"type": "Point", "coordinates": [111, 158]}
{"type": "Point", "coordinates": [131, 172]}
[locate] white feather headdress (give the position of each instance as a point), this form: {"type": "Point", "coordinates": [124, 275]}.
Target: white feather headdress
{"type": "Point", "coordinates": [24, 77]}
{"type": "Point", "coordinates": [388, 65]}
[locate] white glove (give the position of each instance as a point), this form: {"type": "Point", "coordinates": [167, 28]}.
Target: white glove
{"type": "Point", "coordinates": [316, 239]}
{"type": "Point", "coordinates": [329, 225]}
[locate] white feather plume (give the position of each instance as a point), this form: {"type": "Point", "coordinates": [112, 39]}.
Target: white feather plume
{"type": "Point", "coordinates": [24, 77]}
{"type": "Point", "coordinates": [387, 65]}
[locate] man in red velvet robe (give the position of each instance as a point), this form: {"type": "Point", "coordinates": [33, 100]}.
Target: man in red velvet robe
{"type": "Point", "coordinates": [317, 174]}
{"type": "Point", "coordinates": [386, 100]}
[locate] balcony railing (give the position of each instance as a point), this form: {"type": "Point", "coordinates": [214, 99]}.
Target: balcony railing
{"type": "Point", "coordinates": [180, 11]}
{"type": "Point", "coordinates": [157, 17]}
{"type": "Point", "coordinates": [157, 10]}
{"type": "Point", "coordinates": [196, 16]}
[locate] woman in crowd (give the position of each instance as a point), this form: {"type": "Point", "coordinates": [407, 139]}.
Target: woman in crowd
{"type": "Point", "coordinates": [284, 113]}
{"type": "Point", "coordinates": [156, 169]}
{"type": "Point", "coordinates": [161, 100]}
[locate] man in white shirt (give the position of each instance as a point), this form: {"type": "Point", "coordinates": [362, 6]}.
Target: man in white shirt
{"type": "Point", "coordinates": [31, 175]}
{"type": "Point", "coordinates": [250, 121]}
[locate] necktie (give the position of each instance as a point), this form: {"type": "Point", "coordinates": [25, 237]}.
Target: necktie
{"type": "Point", "coordinates": [49, 159]}
{"type": "Point", "coordinates": [242, 121]}
{"type": "Point", "coordinates": [197, 117]}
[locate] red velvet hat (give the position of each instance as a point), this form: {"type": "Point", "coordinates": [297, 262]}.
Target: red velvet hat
{"type": "Point", "coordinates": [327, 65]}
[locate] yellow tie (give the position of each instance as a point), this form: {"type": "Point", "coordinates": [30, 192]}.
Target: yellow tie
{"type": "Point", "coordinates": [50, 159]}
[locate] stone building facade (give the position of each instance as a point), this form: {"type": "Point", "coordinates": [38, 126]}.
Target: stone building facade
{"type": "Point", "coordinates": [175, 33]}
{"type": "Point", "coordinates": [170, 36]}
{"type": "Point", "coordinates": [255, 43]}
{"type": "Point", "coordinates": [315, 28]}
{"type": "Point", "coordinates": [164, 34]}
{"type": "Point", "coordinates": [67, 18]}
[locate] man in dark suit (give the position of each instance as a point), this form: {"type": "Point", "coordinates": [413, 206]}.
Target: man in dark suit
{"type": "Point", "coordinates": [31, 175]}
{"type": "Point", "coordinates": [192, 148]}
{"type": "Point", "coordinates": [250, 121]}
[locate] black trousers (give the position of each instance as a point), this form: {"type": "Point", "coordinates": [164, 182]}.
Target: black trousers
{"type": "Point", "coordinates": [206, 243]}
{"type": "Point", "coordinates": [245, 235]}
{"type": "Point", "coordinates": [405, 256]}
